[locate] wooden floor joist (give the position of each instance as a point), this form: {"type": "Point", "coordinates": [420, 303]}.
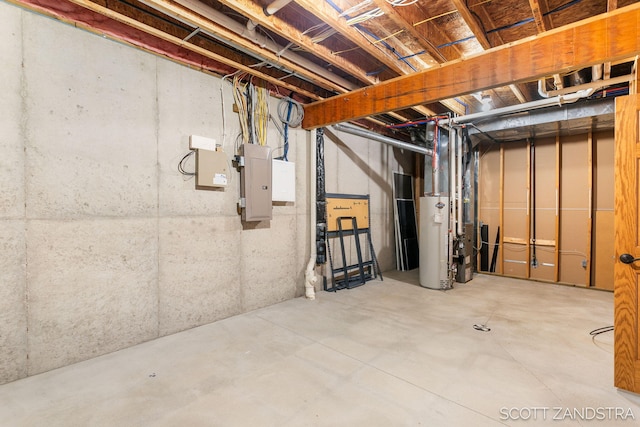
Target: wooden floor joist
{"type": "Point", "coordinates": [608, 37]}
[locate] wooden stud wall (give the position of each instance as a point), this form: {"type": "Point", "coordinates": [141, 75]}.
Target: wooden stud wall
{"type": "Point", "coordinates": [515, 209]}
{"type": "Point", "coordinates": [557, 204]}
{"type": "Point", "coordinates": [544, 192]}
{"type": "Point", "coordinates": [489, 192]}
{"type": "Point", "coordinates": [573, 190]}
{"type": "Point", "coordinates": [603, 253]}
{"type": "Point", "coordinates": [574, 206]}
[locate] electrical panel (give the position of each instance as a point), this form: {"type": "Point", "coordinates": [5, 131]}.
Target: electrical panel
{"type": "Point", "coordinates": [255, 182]}
{"type": "Point", "coordinates": [284, 181]}
{"type": "Point", "coordinates": [212, 169]}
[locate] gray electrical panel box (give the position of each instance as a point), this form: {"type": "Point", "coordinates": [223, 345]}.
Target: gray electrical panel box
{"type": "Point", "coordinates": [255, 182]}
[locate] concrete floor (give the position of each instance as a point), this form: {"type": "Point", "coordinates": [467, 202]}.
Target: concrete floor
{"type": "Point", "coordinates": [388, 353]}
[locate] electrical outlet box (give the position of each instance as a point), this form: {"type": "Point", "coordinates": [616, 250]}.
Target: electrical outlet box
{"type": "Point", "coordinates": [255, 182]}
{"type": "Point", "coordinates": [201, 142]}
{"type": "Point", "coordinates": [283, 181]}
{"type": "Point", "coordinates": [212, 169]}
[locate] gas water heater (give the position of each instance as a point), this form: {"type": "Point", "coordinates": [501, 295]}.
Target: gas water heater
{"type": "Point", "coordinates": [434, 242]}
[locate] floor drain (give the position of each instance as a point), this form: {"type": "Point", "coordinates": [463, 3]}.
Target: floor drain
{"type": "Point", "coordinates": [482, 328]}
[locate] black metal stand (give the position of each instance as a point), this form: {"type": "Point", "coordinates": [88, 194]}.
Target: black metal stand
{"type": "Point", "coordinates": [351, 276]}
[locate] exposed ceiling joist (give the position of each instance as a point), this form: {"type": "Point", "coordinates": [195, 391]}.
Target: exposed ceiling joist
{"type": "Point", "coordinates": [471, 22]}
{"type": "Point", "coordinates": [313, 50]}
{"type": "Point", "coordinates": [273, 23]}
{"type": "Point", "coordinates": [542, 22]}
{"type": "Point", "coordinates": [607, 37]}
{"type": "Point", "coordinates": [324, 12]}
{"type": "Point", "coordinates": [518, 93]}
{"type": "Point", "coordinates": [207, 23]}
{"type": "Point", "coordinates": [431, 55]}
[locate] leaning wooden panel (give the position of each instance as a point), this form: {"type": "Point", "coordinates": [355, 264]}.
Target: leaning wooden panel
{"type": "Point", "coordinates": [626, 217]}
{"type": "Point", "coordinates": [347, 206]}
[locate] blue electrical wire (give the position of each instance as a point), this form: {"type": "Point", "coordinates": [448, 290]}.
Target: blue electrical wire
{"type": "Point", "coordinates": [517, 24]}
{"type": "Point", "coordinates": [464, 104]}
{"type": "Point", "coordinates": [506, 27]}
{"type": "Point", "coordinates": [286, 131]}
{"type": "Point", "coordinates": [370, 34]}
{"type": "Point", "coordinates": [456, 42]}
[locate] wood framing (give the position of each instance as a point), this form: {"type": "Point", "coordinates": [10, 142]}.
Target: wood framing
{"type": "Point", "coordinates": [590, 149]}
{"type": "Point", "coordinates": [558, 189]}
{"type": "Point", "coordinates": [500, 247]}
{"type": "Point", "coordinates": [324, 12]}
{"type": "Point", "coordinates": [471, 22]}
{"type": "Point", "coordinates": [527, 214]}
{"type": "Point", "coordinates": [254, 12]}
{"type": "Point", "coordinates": [607, 37]}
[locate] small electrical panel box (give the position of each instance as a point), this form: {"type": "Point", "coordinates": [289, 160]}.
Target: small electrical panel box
{"type": "Point", "coordinates": [212, 169]}
{"type": "Point", "coordinates": [284, 181]}
{"type": "Point", "coordinates": [255, 182]}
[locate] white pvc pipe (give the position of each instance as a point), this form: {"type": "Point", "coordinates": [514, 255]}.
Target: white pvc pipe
{"type": "Point", "coordinates": [558, 100]}
{"type": "Point", "coordinates": [310, 278]}
{"type": "Point", "coordinates": [593, 86]}
{"type": "Point", "coordinates": [251, 26]}
{"type": "Point", "coordinates": [275, 6]}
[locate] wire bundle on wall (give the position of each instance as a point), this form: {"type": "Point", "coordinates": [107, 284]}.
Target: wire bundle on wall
{"type": "Point", "coordinates": [260, 114]}
{"type": "Point", "coordinates": [241, 103]}
{"type": "Point", "coordinates": [290, 113]}
{"type": "Point", "coordinates": [253, 111]}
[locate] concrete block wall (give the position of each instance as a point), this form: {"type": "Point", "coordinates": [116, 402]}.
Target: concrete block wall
{"type": "Point", "coordinates": [103, 244]}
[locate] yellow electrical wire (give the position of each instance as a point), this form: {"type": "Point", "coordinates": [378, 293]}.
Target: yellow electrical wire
{"type": "Point", "coordinates": [241, 103]}
{"type": "Point", "coordinates": [388, 37]}
{"type": "Point", "coordinates": [261, 115]}
{"type": "Point", "coordinates": [435, 17]}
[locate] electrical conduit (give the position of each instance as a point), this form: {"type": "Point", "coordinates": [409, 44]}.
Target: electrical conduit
{"type": "Point", "coordinates": [310, 278]}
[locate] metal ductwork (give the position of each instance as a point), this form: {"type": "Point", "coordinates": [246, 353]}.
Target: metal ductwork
{"type": "Point", "coordinates": [354, 130]}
